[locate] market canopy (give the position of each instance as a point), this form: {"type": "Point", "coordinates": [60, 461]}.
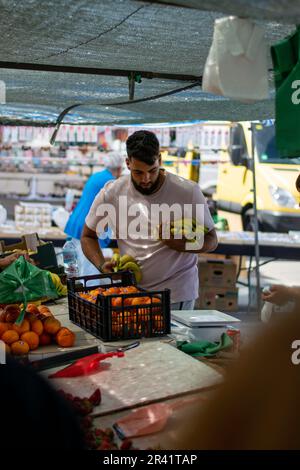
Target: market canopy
{"type": "Point", "coordinates": [109, 39]}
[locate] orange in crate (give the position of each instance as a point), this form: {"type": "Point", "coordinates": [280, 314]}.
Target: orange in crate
{"type": "Point", "coordinates": [112, 291]}
{"type": "Point", "coordinates": [116, 302]}
{"type": "Point", "coordinates": [117, 313]}
{"type": "Point", "coordinates": [140, 300]}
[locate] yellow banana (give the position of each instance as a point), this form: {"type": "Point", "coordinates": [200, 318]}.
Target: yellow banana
{"type": "Point", "coordinates": [135, 268]}
{"type": "Point", "coordinates": [116, 259]}
{"type": "Point", "coordinates": [126, 259]}
{"type": "Point", "coordinates": [59, 286]}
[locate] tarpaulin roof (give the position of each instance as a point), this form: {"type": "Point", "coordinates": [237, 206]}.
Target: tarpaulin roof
{"type": "Point", "coordinates": [119, 36]}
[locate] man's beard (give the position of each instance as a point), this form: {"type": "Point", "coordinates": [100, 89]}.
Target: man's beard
{"type": "Point", "coordinates": [151, 189]}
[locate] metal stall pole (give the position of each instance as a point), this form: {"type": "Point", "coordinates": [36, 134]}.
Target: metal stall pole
{"type": "Point", "coordinates": [256, 240]}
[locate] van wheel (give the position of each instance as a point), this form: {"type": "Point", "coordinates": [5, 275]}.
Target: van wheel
{"type": "Point", "coordinates": [248, 221]}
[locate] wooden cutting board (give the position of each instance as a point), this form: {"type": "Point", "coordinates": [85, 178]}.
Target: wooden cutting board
{"type": "Point", "coordinates": [152, 372]}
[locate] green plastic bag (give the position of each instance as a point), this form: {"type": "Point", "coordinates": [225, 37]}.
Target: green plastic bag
{"type": "Point", "coordinates": [22, 282]}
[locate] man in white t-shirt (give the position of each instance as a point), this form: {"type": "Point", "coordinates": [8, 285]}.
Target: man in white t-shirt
{"type": "Point", "coordinates": [165, 261]}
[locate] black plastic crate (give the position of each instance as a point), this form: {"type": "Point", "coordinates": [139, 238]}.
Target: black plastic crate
{"type": "Point", "coordinates": [110, 318]}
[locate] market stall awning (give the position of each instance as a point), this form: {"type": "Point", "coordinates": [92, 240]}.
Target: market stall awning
{"type": "Point", "coordinates": [119, 36]}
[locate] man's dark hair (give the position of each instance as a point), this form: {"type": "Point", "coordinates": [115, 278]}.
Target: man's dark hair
{"type": "Point", "coordinates": [143, 146]}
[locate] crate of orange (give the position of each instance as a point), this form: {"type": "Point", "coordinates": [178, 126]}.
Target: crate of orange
{"type": "Point", "coordinates": [117, 308]}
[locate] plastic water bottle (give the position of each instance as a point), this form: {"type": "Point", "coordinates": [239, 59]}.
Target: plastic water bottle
{"type": "Point", "coordinates": [267, 310]}
{"type": "Point", "coordinates": [71, 265]}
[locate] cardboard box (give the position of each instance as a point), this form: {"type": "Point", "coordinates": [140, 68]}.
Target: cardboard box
{"type": "Point", "coordinates": [218, 298]}
{"type": "Point", "coordinates": [217, 273]}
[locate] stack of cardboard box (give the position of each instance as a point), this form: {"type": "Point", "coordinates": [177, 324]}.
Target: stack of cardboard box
{"type": "Point", "coordinates": [217, 285]}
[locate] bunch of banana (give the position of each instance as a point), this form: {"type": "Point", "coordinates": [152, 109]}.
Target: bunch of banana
{"type": "Point", "coordinates": [187, 228]}
{"type": "Point", "coordinates": [59, 286]}
{"type": "Point", "coordinates": [127, 262]}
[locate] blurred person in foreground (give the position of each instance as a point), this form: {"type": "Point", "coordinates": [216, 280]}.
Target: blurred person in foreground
{"type": "Point", "coordinates": [33, 414]}
{"type": "Point", "coordinates": [257, 407]}
{"type": "Point", "coordinates": [113, 162]}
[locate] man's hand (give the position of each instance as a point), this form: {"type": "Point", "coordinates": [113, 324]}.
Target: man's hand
{"type": "Point", "coordinates": [278, 295]}
{"type": "Point", "coordinates": [108, 266]}
{"type": "Point", "coordinates": [8, 260]}
{"type": "Point", "coordinates": [167, 238]}
{"type": "Point", "coordinates": [207, 244]}
{"type": "Point", "coordinates": [178, 245]}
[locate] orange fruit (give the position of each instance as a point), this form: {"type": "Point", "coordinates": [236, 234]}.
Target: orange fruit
{"type": "Point", "coordinates": [12, 313]}
{"type": "Point", "coordinates": [3, 328]}
{"type": "Point", "coordinates": [31, 317]}
{"type": "Point", "coordinates": [65, 338]}
{"type": "Point", "coordinates": [51, 325]}
{"type": "Point", "coordinates": [158, 322]}
{"type": "Point", "coordinates": [155, 300]}
{"type": "Point", "coordinates": [31, 308]}
{"type": "Point", "coordinates": [45, 339]}
{"type": "Point", "coordinates": [128, 290]}
{"type": "Point", "coordinates": [31, 338]}
{"type": "Point", "coordinates": [140, 300]}
{"type": "Point", "coordinates": [44, 312]}
{"type": "Point", "coordinates": [37, 327]}
{"type": "Point", "coordinates": [132, 289]}
{"type": "Point", "coordinates": [2, 315]}
{"type": "Point", "coordinates": [43, 308]}
{"type": "Point", "coordinates": [18, 348]}
{"type": "Point", "coordinates": [116, 301]}
{"type": "Point", "coordinates": [25, 326]}
{"type": "Point", "coordinates": [95, 292]}
{"type": "Point", "coordinates": [112, 290]}
{"type": "Point", "coordinates": [106, 293]}
{"type": "Point", "coordinates": [10, 336]}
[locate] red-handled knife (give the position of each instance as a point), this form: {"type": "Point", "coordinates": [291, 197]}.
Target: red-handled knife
{"type": "Point", "coordinates": [85, 366]}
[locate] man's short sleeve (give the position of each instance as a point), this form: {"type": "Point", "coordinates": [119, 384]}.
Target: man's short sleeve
{"type": "Point", "coordinates": [92, 219]}
{"type": "Point", "coordinates": [198, 198]}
